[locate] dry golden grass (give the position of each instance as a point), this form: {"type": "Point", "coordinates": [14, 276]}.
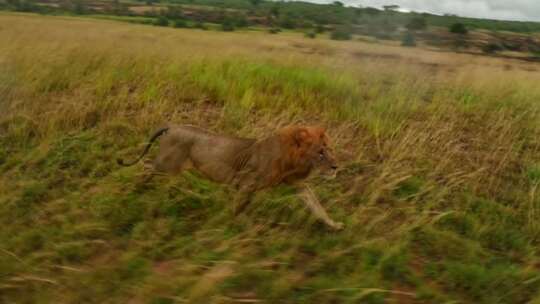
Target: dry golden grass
{"type": "Point", "coordinates": [440, 158]}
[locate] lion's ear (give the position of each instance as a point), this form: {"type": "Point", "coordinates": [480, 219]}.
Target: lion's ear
{"type": "Point", "coordinates": [300, 136]}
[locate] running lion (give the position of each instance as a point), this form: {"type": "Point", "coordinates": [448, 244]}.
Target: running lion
{"type": "Point", "coordinates": [288, 157]}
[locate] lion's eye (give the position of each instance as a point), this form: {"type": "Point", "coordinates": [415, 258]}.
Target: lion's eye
{"type": "Point", "coordinates": [321, 155]}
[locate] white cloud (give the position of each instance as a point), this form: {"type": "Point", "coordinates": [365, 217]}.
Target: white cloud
{"type": "Point", "coordinates": [493, 9]}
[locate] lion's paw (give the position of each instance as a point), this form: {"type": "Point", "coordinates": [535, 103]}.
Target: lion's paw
{"type": "Point", "coordinates": [338, 226]}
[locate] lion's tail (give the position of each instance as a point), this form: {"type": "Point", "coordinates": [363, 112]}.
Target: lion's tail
{"type": "Point", "coordinates": [148, 146]}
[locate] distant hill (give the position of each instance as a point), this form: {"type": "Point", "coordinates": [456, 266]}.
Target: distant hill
{"type": "Point", "coordinates": [448, 32]}
{"type": "Point", "coordinates": [291, 14]}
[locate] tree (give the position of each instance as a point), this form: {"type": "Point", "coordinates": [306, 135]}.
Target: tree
{"type": "Point", "coordinates": [79, 7]}
{"type": "Point", "coordinates": [255, 2]}
{"type": "Point", "coordinates": [338, 3]}
{"type": "Point", "coordinates": [118, 8]}
{"type": "Point", "coordinates": [416, 24]}
{"type": "Point", "coordinates": [458, 28]}
{"type": "Point", "coordinates": [275, 10]}
{"type": "Point", "coordinates": [173, 12]}
{"type": "Point", "coordinates": [25, 6]}
{"type": "Point", "coordinates": [371, 11]}
{"type": "Point", "coordinates": [391, 8]}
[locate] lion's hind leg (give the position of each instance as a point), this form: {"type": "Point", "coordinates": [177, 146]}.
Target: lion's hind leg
{"type": "Point", "coordinates": [147, 174]}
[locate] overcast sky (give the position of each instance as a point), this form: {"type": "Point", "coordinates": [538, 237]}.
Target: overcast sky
{"type": "Point", "coordinates": [528, 10]}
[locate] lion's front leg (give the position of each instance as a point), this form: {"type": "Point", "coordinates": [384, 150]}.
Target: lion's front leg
{"type": "Point", "coordinates": [246, 186]}
{"type": "Point", "coordinates": [242, 200]}
{"type": "Point", "coordinates": [312, 202]}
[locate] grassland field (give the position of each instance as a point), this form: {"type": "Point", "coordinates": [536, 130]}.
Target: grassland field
{"type": "Point", "coordinates": [438, 185]}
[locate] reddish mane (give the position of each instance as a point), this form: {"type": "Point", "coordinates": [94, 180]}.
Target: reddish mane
{"type": "Point", "coordinates": [296, 141]}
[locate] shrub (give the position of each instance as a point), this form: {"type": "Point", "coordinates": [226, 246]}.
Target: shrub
{"type": "Point", "coordinates": [79, 8]}
{"type": "Point", "coordinates": [310, 34]}
{"type": "Point", "coordinates": [173, 12]}
{"type": "Point", "coordinates": [458, 28]}
{"type": "Point", "coordinates": [408, 40]}
{"type": "Point", "coordinates": [287, 22]}
{"type": "Point", "coordinates": [24, 6]}
{"type": "Point", "coordinates": [255, 2]}
{"type": "Point", "coordinates": [341, 33]}
{"type": "Point", "coordinates": [533, 172]}
{"type": "Point", "coordinates": [492, 48]}
{"type": "Point", "coordinates": [417, 23]}
{"type": "Point", "coordinates": [227, 25]}
{"type": "Point", "coordinates": [320, 29]}
{"type": "Point", "coordinates": [460, 43]}
{"type": "Point", "coordinates": [161, 21]}
{"type": "Point", "coordinates": [241, 21]}
{"type": "Point", "coordinates": [274, 30]}
{"type": "Point", "coordinates": [180, 23]}
{"type": "Point", "coordinates": [200, 25]}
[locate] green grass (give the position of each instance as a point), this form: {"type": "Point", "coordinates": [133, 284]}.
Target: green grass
{"type": "Point", "coordinates": [131, 19]}
{"type": "Point", "coordinates": [437, 188]}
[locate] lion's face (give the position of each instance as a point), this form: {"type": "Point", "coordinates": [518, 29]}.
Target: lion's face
{"type": "Point", "coordinates": [314, 144]}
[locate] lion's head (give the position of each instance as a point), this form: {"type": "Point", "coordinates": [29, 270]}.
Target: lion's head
{"type": "Point", "coordinates": [308, 149]}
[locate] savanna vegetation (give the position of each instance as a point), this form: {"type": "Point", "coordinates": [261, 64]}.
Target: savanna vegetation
{"type": "Point", "coordinates": [340, 22]}
{"type": "Point", "coordinates": [438, 186]}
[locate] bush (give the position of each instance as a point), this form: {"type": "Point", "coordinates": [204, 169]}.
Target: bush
{"type": "Point", "coordinates": [241, 22]}
{"type": "Point", "coordinates": [227, 25]}
{"type": "Point", "coordinates": [161, 21]}
{"type": "Point", "coordinates": [200, 25]}
{"type": "Point", "coordinates": [319, 29]}
{"type": "Point", "coordinates": [274, 30]}
{"type": "Point", "coordinates": [533, 172]}
{"type": "Point", "coordinates": [492, 48]}
{"type": "Point", "coordinates": [408, 40]}
{"type": "Point", "coordinates": [341, 33]}
{"type": "Point", "coordinates": [310, 34]}
{"type": "Point", "coordinates": [180, 23]}
{"type": "Point", "coordinates": [287, 22]}
{"type": "Point", "coordinates": [460, 43]}
{"type": "Point", "coordinates": [417, 23]}
{"type": "Point", "coordinates": [173, 12]}
{"type": "Point", "coordinates": [458, 28]}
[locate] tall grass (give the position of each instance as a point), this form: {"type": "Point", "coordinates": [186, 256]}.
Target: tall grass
{"type": "Point", "coordinates": [438, 184]}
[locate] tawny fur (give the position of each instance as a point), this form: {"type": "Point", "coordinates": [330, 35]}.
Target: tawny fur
{"type": "Point", "coordinates": [288, 156]}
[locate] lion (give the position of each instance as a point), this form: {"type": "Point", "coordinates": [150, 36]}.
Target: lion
{"type": "Point", "coordinates": [249, 165]}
